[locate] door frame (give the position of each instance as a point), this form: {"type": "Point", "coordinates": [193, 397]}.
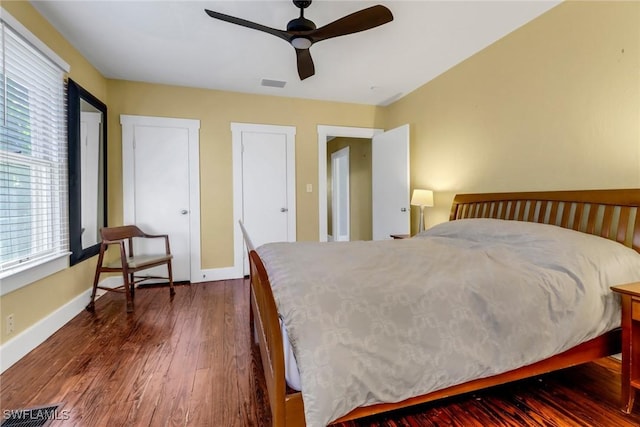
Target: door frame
{"type": "Point", "coordinates": [336, 206]}
{"type": "Point", "coordinates": [128, 123]}
{"type": "Point", "coordinates": [324, 132]}
{"type": "Point", "coordinates": [236, 138]}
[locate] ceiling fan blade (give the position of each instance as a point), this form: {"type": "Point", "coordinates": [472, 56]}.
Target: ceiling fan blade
{"type": "Point", "coordinates": [244, 23]}
{"type": "Point", "coordinates": [305, 63]}
{"type": "Point", "coordinates": [362, 20]}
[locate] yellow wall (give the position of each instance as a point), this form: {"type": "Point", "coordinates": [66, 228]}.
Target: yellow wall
{"type": "Point", "coordinates": [360, 216]}
{"type": "Point", "coordinates": [31, 303]}
{"type": "Point", "coordinates": [554, 105]}
{"type": "Point", "coordinates": [216, 110]}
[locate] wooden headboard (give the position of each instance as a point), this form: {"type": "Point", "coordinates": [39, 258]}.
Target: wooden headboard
{"type": "Point", "coordinates": [612, 214]}
{"type": "Point", "coordinates": [609, 213]}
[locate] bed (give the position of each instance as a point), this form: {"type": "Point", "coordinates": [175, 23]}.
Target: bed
{"type": "Point", "coordinates": [609, 214]}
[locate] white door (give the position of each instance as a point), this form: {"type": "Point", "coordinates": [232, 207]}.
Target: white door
{"type": "Point", "coordinates": [390, 183]}
{"type": "Point", "coordinates": [265, 212]}
{"type": "Point", "coordinates": [158, 180]}
{"type": "Point", "coordinates": [340, 206]}
{"type": "Point", "coordinates": [264, 186]}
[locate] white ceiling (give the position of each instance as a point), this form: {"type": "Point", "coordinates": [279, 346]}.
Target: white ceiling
{"type": "Point", "coordinates": [176, 43]}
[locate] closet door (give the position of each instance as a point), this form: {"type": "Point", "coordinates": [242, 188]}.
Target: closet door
{"type": "Point", "coordinates": [264, 185]}
{"type": "Point", "coordinates": [161, 189]}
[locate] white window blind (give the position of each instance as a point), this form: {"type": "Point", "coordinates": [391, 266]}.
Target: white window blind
{"type": "Point", "coordinates": [33, 154]}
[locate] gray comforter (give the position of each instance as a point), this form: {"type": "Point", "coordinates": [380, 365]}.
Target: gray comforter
{"type": "Point", "coordinates": [383, 321]}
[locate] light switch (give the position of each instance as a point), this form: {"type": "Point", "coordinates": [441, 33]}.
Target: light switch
{"type": "Point", "coordinates": [309, 188]}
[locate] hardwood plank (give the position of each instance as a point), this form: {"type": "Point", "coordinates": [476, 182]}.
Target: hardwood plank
{"type": "Point", "coordinates": [190, 362]}
{"type": "Point", "coordinates": [242, 342]}
{"type": "Point", "coordinates": [171, 408]}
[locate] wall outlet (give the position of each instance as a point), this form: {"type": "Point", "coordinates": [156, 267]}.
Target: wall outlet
{"type": "Point", "coordinates": [10, 324]}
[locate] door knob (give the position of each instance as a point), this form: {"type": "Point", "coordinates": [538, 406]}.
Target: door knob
{"type": "Point", "coordinates": [184, 211]}
{"type": "Point", "coordinates": [284, 209]}
{"type": "Point", "coordinates": [403, 209]}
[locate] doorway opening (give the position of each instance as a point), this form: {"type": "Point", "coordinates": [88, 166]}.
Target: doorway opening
{"type": "Point", "coordinates": [349, 194]}
{"type": "Point", "coordinates": [326, 134]}
{"type": "Point", "coordinates": [389, 178]}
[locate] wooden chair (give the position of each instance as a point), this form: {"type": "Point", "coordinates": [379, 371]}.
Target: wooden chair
{"type": "Point", "coordinates": [128, 264]}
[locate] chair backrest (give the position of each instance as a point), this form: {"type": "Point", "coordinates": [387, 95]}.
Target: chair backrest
{"type": "Point", "coordinates": [122, 232]}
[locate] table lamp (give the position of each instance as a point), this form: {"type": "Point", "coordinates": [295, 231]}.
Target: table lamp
{"type": "Point", "coordinates": [422, 198]}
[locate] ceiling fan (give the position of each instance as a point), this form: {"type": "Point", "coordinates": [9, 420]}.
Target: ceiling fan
{"type": "Point", "coordinates": [301, 33]}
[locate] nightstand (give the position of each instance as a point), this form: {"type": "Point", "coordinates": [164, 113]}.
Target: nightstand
{"type": "Point", "coordinates": [400, 236]}
{"type": "Point", "coordinates": [630, 378]}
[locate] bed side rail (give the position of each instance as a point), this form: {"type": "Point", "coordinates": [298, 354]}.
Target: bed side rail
{"type": "Point", "coordinates": [247, 239]}
{"type": "Point", "coordinates": [612, 214]}
{"type": "Point", "coordinates": [269, 337]}
{"type": "Point", "coordinates": [265, 326]}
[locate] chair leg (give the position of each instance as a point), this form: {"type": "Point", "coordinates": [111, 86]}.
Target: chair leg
{"type": "Point", "coordinates": [133, 286]}
{"type": "Point", "coordinates": [92, 304]}
{"type": "Point", "coordinates": [128, 292]}
{"type": "Point", "coordinates": [172, 291]}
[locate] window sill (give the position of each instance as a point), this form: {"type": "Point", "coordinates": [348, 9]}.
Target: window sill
{"type": "Point", "coordinates": [17, 278]}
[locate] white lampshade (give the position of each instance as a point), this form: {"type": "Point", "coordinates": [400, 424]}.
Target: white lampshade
{"type": "Point", "coordinates": [422, 198]}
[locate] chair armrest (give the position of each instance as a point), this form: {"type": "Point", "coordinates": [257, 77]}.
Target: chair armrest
{"type": "Point", "coordinates": [155, 236]}
{"type": "Point", "coordinates": [113, 242]}
{"type": "Point", "coordinates": [152, 236]}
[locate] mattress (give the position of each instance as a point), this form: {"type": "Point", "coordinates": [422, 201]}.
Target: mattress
{"type": "Point", "coordinates": [292, 375]}
{"type": "Point", "coordinates": [375, 322]}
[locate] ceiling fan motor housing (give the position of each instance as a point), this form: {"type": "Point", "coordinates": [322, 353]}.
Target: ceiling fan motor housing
{"type": "Point", "coordinates": [301, 24]}
{"type": "Point", "coordinates": [302, 4]}
{"type": "Point", "coordinates": [302, 33]}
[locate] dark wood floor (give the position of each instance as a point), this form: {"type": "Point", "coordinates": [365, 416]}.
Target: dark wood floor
{"type": "Point", "coordinates": [189, 363]}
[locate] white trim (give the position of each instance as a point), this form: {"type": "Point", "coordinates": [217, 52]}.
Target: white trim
{"type": "Point", "coordinates": [19, 277]}
{"type": "Point", "coordinates": [225, 273]}
{"type": "Point", "coordinates": [17, 347]}
{"type": "Point", "coordinates": [128, 123]}
{"type": "Point", "coordinates": [33, 40]}
{"type": "Point", "coordinates": [324, 133]}
{"type": "Point", "coordinates": [335, 197]}
{"type": "Point", "coordinates": [236, 149]}
{"type": "Point", "coordinates": [110, 282]}
{"type": "Point", "coordinates": [131, 120]}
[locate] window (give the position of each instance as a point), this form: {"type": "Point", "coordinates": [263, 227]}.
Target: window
{"type": "Point", "coordinates": [33, 151]}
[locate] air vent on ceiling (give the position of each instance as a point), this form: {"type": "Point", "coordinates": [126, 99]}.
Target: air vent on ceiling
{"type": "Point", "coordinates": [273, 83]}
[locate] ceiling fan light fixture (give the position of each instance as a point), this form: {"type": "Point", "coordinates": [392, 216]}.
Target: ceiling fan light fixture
{"type": "Point", "coordinates": [301, 43]}
{"type": "Point", "coordinates": [301, 33]}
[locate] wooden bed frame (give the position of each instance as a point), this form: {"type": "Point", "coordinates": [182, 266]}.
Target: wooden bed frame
{"type": "Point", "coordinates": [612, 214]}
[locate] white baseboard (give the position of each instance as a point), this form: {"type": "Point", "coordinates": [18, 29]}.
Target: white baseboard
{"type": "Point", "coordinates": [218, 274]}
{"type": "Point", "coordinates": [18, 347]}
